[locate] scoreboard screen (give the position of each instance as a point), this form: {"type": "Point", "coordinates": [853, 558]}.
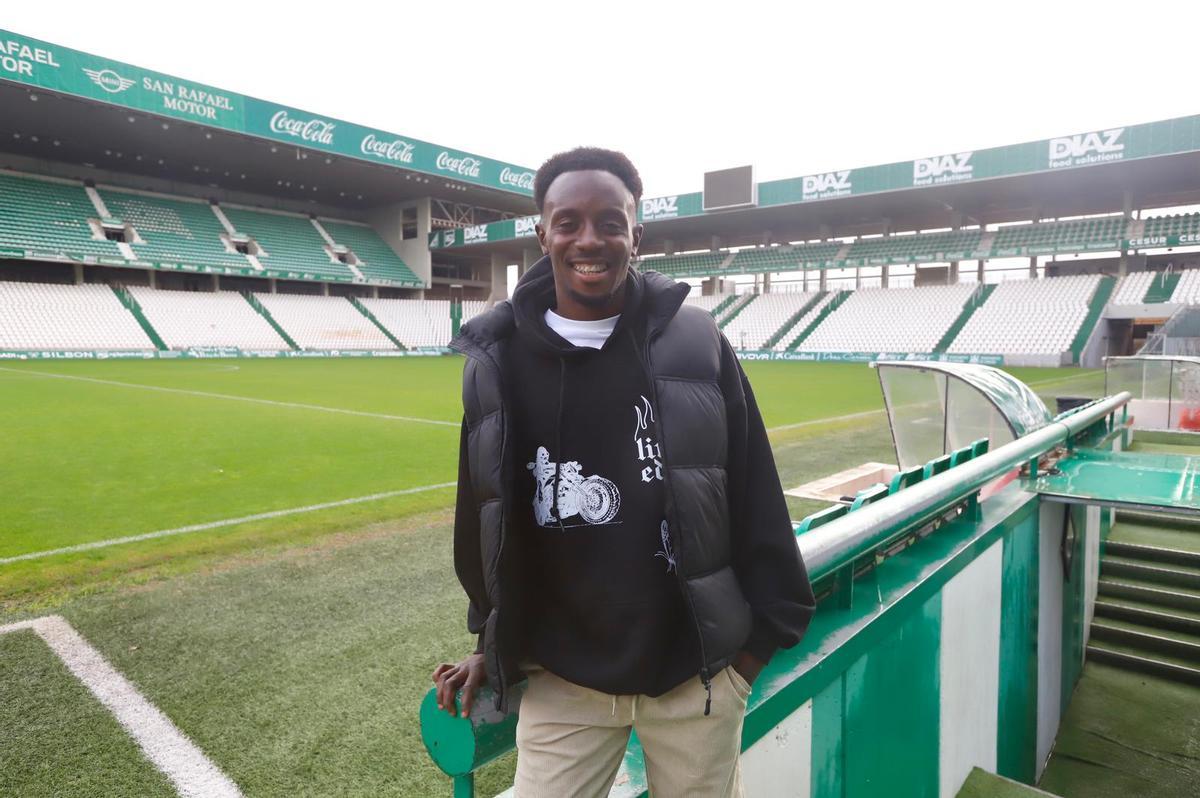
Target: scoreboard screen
{"type": "Point", "coordinates": [729, 188]}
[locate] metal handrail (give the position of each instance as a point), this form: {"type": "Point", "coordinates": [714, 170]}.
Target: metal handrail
{"type": "Point", "coordinates": [841, 542]}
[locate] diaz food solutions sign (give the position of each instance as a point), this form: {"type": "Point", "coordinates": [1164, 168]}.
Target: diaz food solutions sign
{"type": "Point", "coordinates": [40, 64]}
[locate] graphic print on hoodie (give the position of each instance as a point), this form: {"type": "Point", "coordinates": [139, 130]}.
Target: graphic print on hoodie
{"type": "Point", "coordinates": [602, 602]}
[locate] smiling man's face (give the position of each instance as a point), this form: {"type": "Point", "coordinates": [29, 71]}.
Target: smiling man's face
{"type": "Point", "coordinates": [589, 229]}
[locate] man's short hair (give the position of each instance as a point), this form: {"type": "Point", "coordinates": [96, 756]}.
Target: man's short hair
{"type": "Point", "coordinates": [582, 159]}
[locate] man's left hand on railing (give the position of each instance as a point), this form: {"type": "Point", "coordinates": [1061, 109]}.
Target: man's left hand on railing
{"type": "Point", "coordinates": [468, 676]}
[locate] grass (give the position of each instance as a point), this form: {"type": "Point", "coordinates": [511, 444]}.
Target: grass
{"type": "Point", "coordinates": [294, 651]}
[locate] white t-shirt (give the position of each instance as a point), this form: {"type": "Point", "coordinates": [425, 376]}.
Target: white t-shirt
{"type": "Point", "coordinates": [582, 333]}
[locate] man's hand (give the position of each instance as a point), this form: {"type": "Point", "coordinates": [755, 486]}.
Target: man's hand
{"type": "Point", "coordinates": [468, 676]}
{"type": "Point", "coordinates": [748, 666]}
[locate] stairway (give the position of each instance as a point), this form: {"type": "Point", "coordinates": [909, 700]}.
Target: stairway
{"type": "Point", "coordinates": [1161, 287]}
{"type": "Point", "coordinates": [973, 304]}
{"type": "Point", "coordinates": [1147, 615]}
{"type": "Point", "coordinates": [790, 323]}
{"type": "Point", "coordinates": [735, 309]}
{"type": "Point", "coordinates": [830, 307]}
{"type": "Point", "coordinates": [1096, 307]}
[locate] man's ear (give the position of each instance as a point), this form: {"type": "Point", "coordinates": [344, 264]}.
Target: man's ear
{"type": "Point", "coordinates": [541, 236]}
{"type": "Point", "coordinates": [637, 237]}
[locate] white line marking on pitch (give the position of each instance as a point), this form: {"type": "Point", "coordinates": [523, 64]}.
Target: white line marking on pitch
{"type": "Point", "coordinates": [181, 530]}
{"type": "Point", "coordinates": [209, 395]}
{"type": "Point", "coordinates": [168, 749]}
{"type": "Point", "coordinates": [825, 420]}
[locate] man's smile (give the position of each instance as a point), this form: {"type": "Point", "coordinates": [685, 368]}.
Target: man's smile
{"type": "Point", "coordinates": [589, 267]}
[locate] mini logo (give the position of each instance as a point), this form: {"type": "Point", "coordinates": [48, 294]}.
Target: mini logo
{"type": "Point", "coordinates": [830, 184]}
{"type": "Point", "coordinates": [660, 207]}
{"type": "Point", "coordinates": [108, 80]}
{"type": "Point", "coordinates": [943, 169]}
{"type": "Point", "coordinates": [317, 131]}
{"type": "Point", "coordinates": [519, 179]}
{"type": "Point", "coordinates": [1086, 148]}
{"type": "Point", "coordinates": [475, 234]}
{"type": "Point", "coordinates": [397, 150]}
{"type": "Point", "coordinates": [526, 225]}
{"type": "Point", "coordinates": [465, 166]}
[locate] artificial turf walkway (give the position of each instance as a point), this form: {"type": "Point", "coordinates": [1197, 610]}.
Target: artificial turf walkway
{"type": "Point", "coordinates": [1127, 734]}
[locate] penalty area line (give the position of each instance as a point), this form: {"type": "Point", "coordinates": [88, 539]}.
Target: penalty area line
{"type": "Point", "coordinates": [235, 398]}
{"type": "Point", "coordinates": [183, 530]}
{"type": "Point", "coordinates": [179, 759]}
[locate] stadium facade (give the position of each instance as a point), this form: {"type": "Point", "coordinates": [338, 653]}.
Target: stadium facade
{"type": "Point", "coordinates": [157, 186]}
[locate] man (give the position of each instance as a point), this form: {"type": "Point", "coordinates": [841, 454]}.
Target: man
{"type": "Point", "coordinates": [620, 530]}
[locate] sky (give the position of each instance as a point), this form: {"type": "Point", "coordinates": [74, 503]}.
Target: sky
{"type": "Point", "coordinates": [682, 88]}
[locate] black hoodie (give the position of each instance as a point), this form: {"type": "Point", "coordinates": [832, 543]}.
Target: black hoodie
{"type": "Point", "coordinates": [603, 607]}
{"type": "Point", "coordinates": [771, 584]}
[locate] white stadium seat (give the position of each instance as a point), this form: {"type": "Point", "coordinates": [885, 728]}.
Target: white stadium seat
{"type": "Point", "coordinates": [324, 322]}
{"type": "Point", "coordinates": [187, 319]}
{"type": "Point", "coordinates": [65, 317]}
{"type": "Point", "coordinates": [890, 320]}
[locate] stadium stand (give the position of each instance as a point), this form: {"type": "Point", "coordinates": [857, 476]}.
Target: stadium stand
{"type": "Point", "coordinates": [1103, 232]}
{"type": "Point", "coordinates": [66, 317]}
{"type": "Point", "coordinates": [1174, 225]}
{"type": "Point", "coordinates": [174, 231]}
{"type": "Point", "coordinates": [761, 319]}
{"type": "Point", "coordinates": [419, 322]}
{"type": "Point", "coordinates": [375, 258]}
{"type": "Point", "coordinates": [784, 258]}
{"type": "Point", "coordinates": [925, 247]}
{"type": "Point", "coordinates": [890, 320]}
{"type": "Point", "coordinates": [1037, 319]}
{"type": "Point", "coordinates": [1132, 288]}
{"type": "Point", "coordinates": [323, 322]}
{"type": "Point", "coordinates": [692, 264]}
{"type": "Point", "coordinates": [201, 319]}
{"type": "Point", "coordinates": [48, 218]}
{"type": "Point", "coordinates": [708, 303]}
{"type": "Point", "coordinates": [792, 336]}
{"type": "Point", "coordinates": [1187, 290]}
{"type": "Point", "coordinates": [289, 243]}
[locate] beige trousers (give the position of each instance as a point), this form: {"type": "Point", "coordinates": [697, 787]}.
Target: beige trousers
{"type": "Point", "coordinates": [570, 739]}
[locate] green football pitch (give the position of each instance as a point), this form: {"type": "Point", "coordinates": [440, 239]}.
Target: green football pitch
{"type": "Point", "coordinates": [262, 550]}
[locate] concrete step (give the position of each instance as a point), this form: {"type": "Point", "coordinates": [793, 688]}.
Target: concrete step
{"type": "Point", "coordinates": [1152, 553]}
{"type": "Point", "coordinates": [1134, 659]}
{"type": "Point", "coordinates": [1168, 574]}
{"type": "Point", "coordinates": [1153, 642]}
{"type": "Point", "coordinates": [1149, 616]}
{"type": "Point", "coordinates": [1153, 593]}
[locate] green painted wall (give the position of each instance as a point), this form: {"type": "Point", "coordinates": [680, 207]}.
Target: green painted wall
{"type": "Point", "coordinates": [891, 711]}
{"type": "Point", "coordinates": [1016, 744]}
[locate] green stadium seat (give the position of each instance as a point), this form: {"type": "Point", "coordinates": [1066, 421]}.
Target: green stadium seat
{"type": "Point", "coordinates": [50, 217]}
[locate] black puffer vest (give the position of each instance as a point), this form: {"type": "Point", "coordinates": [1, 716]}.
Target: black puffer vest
{"type": "Point", "coordinates": [682, 358]}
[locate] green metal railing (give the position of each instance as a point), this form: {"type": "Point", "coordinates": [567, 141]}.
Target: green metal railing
{"type": "Point", "coordinates": [838, 546]}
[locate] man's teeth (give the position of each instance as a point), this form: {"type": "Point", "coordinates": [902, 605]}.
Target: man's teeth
{"type": "Point", "coordinates": [589, 268]}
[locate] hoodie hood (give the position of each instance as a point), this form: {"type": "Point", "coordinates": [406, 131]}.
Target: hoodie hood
{"type": "Point", "coordinates": [649, 295]}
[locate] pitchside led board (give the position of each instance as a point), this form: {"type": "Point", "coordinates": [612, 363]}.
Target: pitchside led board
{"type": "Point", "coordinates": [47, 66]}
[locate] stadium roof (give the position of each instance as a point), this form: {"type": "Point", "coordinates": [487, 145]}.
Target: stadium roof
{"type": "Point", "coordinates": [1156, 164]}
{"type": "Point", "coordinates": [68, 106]}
